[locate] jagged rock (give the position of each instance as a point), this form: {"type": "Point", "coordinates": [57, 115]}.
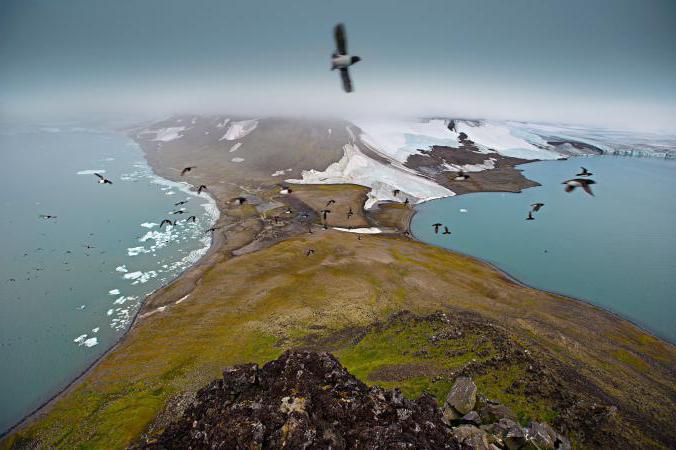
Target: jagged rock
{"type": "Point", "coordinates": [471, 418]}
{"type": "Point", "coordinates": [541, 436]}
{"type": "Point", "coordinates": [492, 413]}
{"type": "Point", "coordinates": [303, 400]}
{"type": "Point", "coordinates": [471, 438]}
{"type": "Point", "coordinates": [463, 395]}
{"type": "Point", "coordinates": [515, 438]}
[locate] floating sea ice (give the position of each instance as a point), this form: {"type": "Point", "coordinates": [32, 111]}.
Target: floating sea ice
{"type": "Point", "coordinates": [90, 171]}
{"type": "Point", "coordinates": [95, 330]}
{"type": "Point", "coordinates": [109, 312]}
{"type": "Point", "coordinates": [120, 300]}
{"type": "Point", "coordinates": [237, 160]}
{"type": "Point", "coordinates": [169, 193]}
{"type": "Point", "coordinates": [133, 275]}
{"type": "Point", "coordinates": [91, 342]}
{"type": "Point", "coordinates": [114, 292]}
{"type": "Point", "coordinates": [80, 339]}
{"type": "Point", "coordinates": [121, 269]}
{"type": "Point", "coordinates": [463, 210]}
{"type": "Point", "coordinates": [149, 224]}
{"type": "Point", "coordinates": [134, 251]}
{"type": "Point", "coordinates": [81, 307]}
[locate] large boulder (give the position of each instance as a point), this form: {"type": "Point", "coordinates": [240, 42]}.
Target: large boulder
{"type": "Point", "coordinates": [471, 438]}
{"type": "Point", "coordinates": [492, 413]}
{"type": "Point", "coordinates": [462, 397]}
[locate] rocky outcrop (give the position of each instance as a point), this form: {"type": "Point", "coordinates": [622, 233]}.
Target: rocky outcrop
{"type": "Point", "coordinates": [308, 400]}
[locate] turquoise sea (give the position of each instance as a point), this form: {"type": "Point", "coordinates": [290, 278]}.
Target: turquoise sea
{"type": "Point", "coordinates": [616, 249]}
{"type": "Point", "coordinates": [71, 285]}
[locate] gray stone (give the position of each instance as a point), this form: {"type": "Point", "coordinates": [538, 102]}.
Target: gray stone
{"type": "Point", "coordinates": [541, 435]}
{"type": "Point", "coordinates": [449, 415]}
{"type": "Point", "coordinates": [471, 438]}
{"type": "Point", "coordinates": [463, 395]}
{"type": "Point", "coordinates": [492, 413]}
{"type": "Point", "coordinates": [472, 417]}
{"type": "Point", "coordinates": [515, 438]}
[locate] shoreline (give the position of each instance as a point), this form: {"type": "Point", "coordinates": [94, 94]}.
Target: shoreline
{"type": "Point", "coordinates": [217, 242]}
{"type": "Point", "coordinates": [206, 261]}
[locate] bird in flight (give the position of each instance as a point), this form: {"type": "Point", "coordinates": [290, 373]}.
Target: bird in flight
{"type": "Point", "coordinates": [530, 216]}
{"type": "Point", "coordinates": [330, 202]}
{"type": "Point", "coordinates": [166, 222]}
{"type": "Point", "coordinates": [536, 206]}
{"type": "Point", "coordinates": [201, 188]}
{"type": "Point", "coordinates": [211, 230]}
{"type": "Point", "coordinates": [584, 173]}
{"type": "Point", "coordinates": [181, 203]}
{"type": "Point", "coordinates": [396, 192]}
{"type": "Point", "coordinates": [446, 230]}
{"type": "Point", "coordinates": [406, 202]}
{"type": "Point", "coordinates": [187, 169]}
{"type": "Point", "coordinates": [179, 211]}
{"type": "Point", "coordinates": [350, 213]}
{"type": "Point", "coordinates": [579, 182]}
{"type": "Point", "coordinates": [461, 176]}
{"type": "Point", "coordinates": [436, 227]}
{"type": "Point", "coordinates": [340, 59]}
{"type": "Point", "coordinates": [102, 179]}
{"type": "Point", "coordinates": [325, 212]}
{"type": "Point", "coordinates": [191, 218]}
{"type": "Point", "coordinates": [47, 216]}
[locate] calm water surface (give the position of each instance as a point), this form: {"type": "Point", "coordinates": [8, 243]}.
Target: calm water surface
{"type": "Point", "coordinates": [616, 249]}
{"type": "Point", "coordinates": [71, 286]}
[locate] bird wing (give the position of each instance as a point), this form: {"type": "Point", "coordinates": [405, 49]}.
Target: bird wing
{"type": "Point", "coordinates": [341, 40]}
{"type": "Point", "coordinates": [587, 189]}
{"type": "Point", "coordinates": [99, 175]}
{"type": "Point", "coordinates": [347, 82]}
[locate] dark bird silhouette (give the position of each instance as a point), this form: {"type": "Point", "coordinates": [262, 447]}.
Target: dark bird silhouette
{"type": "Point", "coordinates": [396, 192]}
{"type": "Point", "coordinates": [330, 202]}
{"type": "Point", "coordinates": [350, 213]}
{"type": "Point", "coordinates": [436, 227]}
{"type": "Point", "coordinates": [201, 188]}
{"type": "Point", "coordinates": [310, 251]}
{"type": "Point", "coordinates": [88, 246]}
{"type": "Point", "coordinates": [530, 216]}
{"type": "Point", "coordinates": [47, 216]}
{"type": "Point", "coordinates": [239, 200]}
{"type": "Point", "coordinates": [325, 212]}
{"type": "Point", "coordinates": [211, 230]}
{"type": "Point", "coordinates": [461, 176]}
{"type": "Point", "coordinates": [446, 230]}
{"type": "Point", "coordinates": [406, 202]}
{"type": "Point", "coordinates": [187, 169]}
{"type": "Point", "coordinates": [340, 59]}
{"type": "Point", "coordinates": [165, 222]}
{"type": "Point", "coordinates": [178, 211]}
{"type": "Point", "coordinates": [535, 207]}
{"type": "Point", "coordinates": [285, 190]}
{"type": "Point", "coordinates": [583, 183]}
{"type": "Point", "coordinates": [584, 173]}
{"type": "Point", "coordinates": [183, 202]}
{"type": "Point", "coordinates": [191, 219]}
{"type": "Point", "coordinates": [102, 179]}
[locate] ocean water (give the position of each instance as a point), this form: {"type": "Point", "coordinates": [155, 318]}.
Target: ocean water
{"type": "Point", "coordinates": [616, 250]}
{"type": "Point", "coordinates": [71, 286]}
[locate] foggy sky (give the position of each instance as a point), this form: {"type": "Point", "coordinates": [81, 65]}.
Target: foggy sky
{"type": "Point", "coordinates": [609, 62]}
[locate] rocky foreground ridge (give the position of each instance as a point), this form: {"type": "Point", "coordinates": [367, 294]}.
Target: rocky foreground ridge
{"type": "Point", "coordinates": [309, 400]}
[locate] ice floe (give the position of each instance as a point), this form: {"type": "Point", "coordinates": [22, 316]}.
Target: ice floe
{"type": "Point", "coordinates": [121, 269]}
{"type": "Point", "coordinates": [91, 342]}
{"type": "Point", "coordinates": [149, 224]}
{"type": "Point", "coordinates": [238, 160]}
{"type": "Point", "coordinates": [281, 172]}
{"type": "Point", "coordinates": [135, 251]}
{"type": "Point", "coordinates": [90, 171]}
{"type": "Point", "coordinates": [114, 292]}
{"type": "Point", "coordinates": [235, 147]}
{"type": "Point", "coordinates": [95, 330]}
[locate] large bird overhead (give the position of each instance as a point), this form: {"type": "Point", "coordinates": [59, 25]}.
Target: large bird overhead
{"type": "Point", "coordinates": [584, 183]}
{"type": "Point", "coordinates": [584, 173]}
{"type": "Point", "coordinates": [340, 59]}
{"type": "Point", "coordinates": [102, 179]}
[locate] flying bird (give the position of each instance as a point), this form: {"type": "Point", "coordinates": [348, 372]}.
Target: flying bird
{"type": "Point", "coordinates": [191, 218]}
{"type": "Point", "coordinates": [340, 59]}
{"type": "Point", "coordinates": [436, 227]}
{"type": "Point", "coordinates": [165, 222]}
{"type": "Point", "coordinates": [406, 202]}
{"type": "Point", "coordinates": [461, 176]}
{"type": "Point", "coordinates": [330, 202]}
{"type": "Point", "coordinates": [179, 211]}
{"type": "Point", "coordinates": [584, 173]}
{"type": "Point", "coordinates": [102, 179]}
{"type": "Point", "coordinates": [446, 230]}
{"type": "Point", "coordinates": [530, 216]}
{"type": "Point", "coordinates": [47, 216]}
{"type": "Point", "coordinates": [350, 213]}
{"type": "Point", "coordinates": [187, 169]}
{"type": "Point", "coordinates": [181, 203]}
{"type": "Point", "coordinates": [325, 212]}
{"type": "Point", "coordinates": [584, 183]}
{"type": "Point", "coordinates": [211, 230]}
{"type": "Point", "coordinates": [201, 188]}
{"type": "Point", "coordinates": [396, 192]}
{"type": "Point", "coordinates": [536, 206]}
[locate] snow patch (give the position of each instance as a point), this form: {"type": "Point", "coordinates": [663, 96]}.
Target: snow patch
{"type": "Point", "coordinates": [90, 171]}
{"type": "Point", "coordinates": [235, 147]}
{"type": "Point", "coordinates": [237, 160]}
{"type": "Point", "coordinates": [114, 292]}
{"type": "Point", "coordinates": [238, 130]}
